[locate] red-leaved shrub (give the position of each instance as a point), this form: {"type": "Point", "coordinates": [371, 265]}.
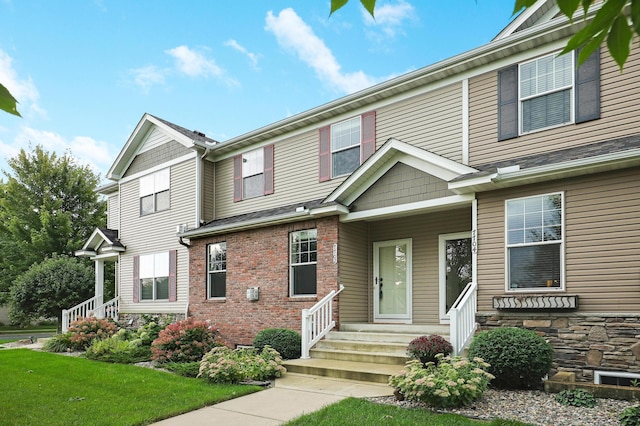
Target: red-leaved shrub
{"type": "Point", "coordinates": [184, 341]}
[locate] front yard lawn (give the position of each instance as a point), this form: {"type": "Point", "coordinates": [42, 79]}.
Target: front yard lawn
{"type": "Point", "coordinates": [52, 389]}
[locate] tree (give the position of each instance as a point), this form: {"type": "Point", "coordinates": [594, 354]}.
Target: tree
{"type": "Point", "coordinates": [611, 22]}
{"type": "Point", "coordinates": [47, 205]}
{"type": "Point", "coordinates": [48, 287]}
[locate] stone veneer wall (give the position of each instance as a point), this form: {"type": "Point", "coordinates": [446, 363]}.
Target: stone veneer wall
{"type": "Point", "coordinates": [260, 257]}
{"type": "Point", "coordinates": [581, 342]}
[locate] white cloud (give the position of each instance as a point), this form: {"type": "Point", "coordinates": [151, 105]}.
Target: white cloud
{"type": "Point", "coordinates": [194, 64]}
{"type": "Point", "coordinates": [390, 18]}
{"type": "Point", "coordinates": [23, 90]}
{"type": "Point", "coordinates": [148, 76]}
{"type": "Point", "coordinates": [253, 58]}
{"type": "Point", "coordinates": [85, 150]}
{"type": "Point", "coordinates": [294, 34]}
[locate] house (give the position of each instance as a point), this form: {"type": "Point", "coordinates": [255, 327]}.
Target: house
{"type": "Point", "coordinates": [495, 188]}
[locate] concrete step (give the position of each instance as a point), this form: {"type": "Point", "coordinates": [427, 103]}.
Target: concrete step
{"type": "Point", "coordinates": [350, 370]}
{"type": "Point", "coordinates": [362, 346]}
{"type": "Point", "coordinates": [359, 356]}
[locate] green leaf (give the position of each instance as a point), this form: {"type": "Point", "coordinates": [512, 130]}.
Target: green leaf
{"type": "Point", "coordinates": [590, 47]}
{"type": "Point", "coordinates": [337, 4]}
{"type": "Point", "coordinates": [370, 5]}
{"type": "Point", "coordinates": [568, 7]}
{"type": "Point", "coordinates": [8, 102]}
{"type": "Point", "coordinates": [522, 4]}
{"type": "Point", "coordinates": [619, 40]}
{"type": "Point", "coordinates": [635, 15]}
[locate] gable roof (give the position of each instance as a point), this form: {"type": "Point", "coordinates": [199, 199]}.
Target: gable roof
{"type": "Point", "coordinates": [389, 154]}
{"type": "Point", "coordinates": [540, 11]}
{"type": "Point", "coordinates": [102, 240]}
{"type": "Point", "coordinates": [188, 138]}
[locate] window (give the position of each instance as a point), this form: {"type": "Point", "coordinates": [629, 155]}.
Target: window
{"type": "Point", "coordinates": [154, 276]}
{"type": "Point", "coordinates": [345, 145]}
{"type": "Point", "coordinates": [546, 86]}
{"type": "Point", "coordinates": [304, 257]}
{"type": "Point", "coordinates": [535, 242]}
{"type": "Point", "coordinates": [253, 174]}
{"type": "Point", "coordinates": [547, 92]}
{"type": "Point", "coordinates": [217, 270]}
{"type": "Point", "coordinates": [155, 192]}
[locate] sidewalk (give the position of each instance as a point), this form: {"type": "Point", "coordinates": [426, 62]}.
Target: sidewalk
{"type": "Point", "coordinates": [292, 396]}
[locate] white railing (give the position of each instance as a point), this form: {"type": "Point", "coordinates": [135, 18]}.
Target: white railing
{"type": "Point", "coordinates": [463, 318]}
{"type": "Point", "coordinates": [88, 308]}
{"type": "Point", "coordinates": [317, 321]}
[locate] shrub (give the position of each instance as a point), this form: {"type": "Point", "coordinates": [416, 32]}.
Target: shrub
{"type": "Point", "coordinates": [58, 343]}
{"type": "Point", "coordinates": [519, 358]}
{"type": "Point", "coordinates": [186, 369]}
{"type": "Point", "coordinates": [630, 416]}
{"type": "Point", "coordinates": [288, 343]}
{"type": "Point", "coordinates": [118, 349]}
{"type": "Point", "coordinates": [576, 398]}
{"type": "Point", "coordinates": [453, 382]}
{"type": "Point", "coordinates": [183, 341]}
{"type": "Point", "coordinates": [85, 330]}
{"type": "Point", "coordinates": [425, 348]}
{"type": "Point", "coordinates": [224, 365]}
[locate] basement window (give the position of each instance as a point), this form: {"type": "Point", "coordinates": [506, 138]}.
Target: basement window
{"type": "Point", "coordinates": [616, 378]}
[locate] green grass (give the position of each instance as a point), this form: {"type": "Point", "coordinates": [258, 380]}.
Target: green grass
{"type": "Point", "coordinates": [7, 329]}
{"type": "Point", "coordinates": [52, 389]}
{"type": "Point", "coordinates": [7, 341]}
{"type": "Point", "coordinates": [357, 412]}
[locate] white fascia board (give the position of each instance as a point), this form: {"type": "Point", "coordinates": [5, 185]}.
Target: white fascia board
{"type": "Point", "coordinates": [247, 224]}
{"type": "Point", "coordinates": [106, 256]}
{"type": "Point", "coordinates": [329, 210]}
{"type": "Point", "coordinates": [519, 20]}
{"type": "Point", "coordinates": [463, 186]}
{"type": "Point", "coordinates": [111, 249]}
{"type": "Point", "coordinates": [95, 235]}
{"type": "Point", "coordinates": [84, 253]}
{"type": "Point", "coordinates": [438, 204]}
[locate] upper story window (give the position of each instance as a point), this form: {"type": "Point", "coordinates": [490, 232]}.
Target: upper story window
{"type": "Point", "coordinates": [217, 270]}
{"type": "Point", "coordinates": [303, 246]}
{"type": "Point", "coordinates": [547, 92]}
{"type": "Point", "coordinates": [546, 87]}
{"type": "Point", "coordinates": [345, 145]}
{"type": "Point", "coordinates": [253, 173]}
{"type": "Point", "coordinates": [535, 243]}
{"type": "Point", "coordinates": [155, 192]}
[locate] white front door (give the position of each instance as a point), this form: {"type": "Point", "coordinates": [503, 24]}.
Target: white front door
{"type": "Point", "coordinates": [455, 269]}
{"type": "Point", "coordinates": [392, 281]}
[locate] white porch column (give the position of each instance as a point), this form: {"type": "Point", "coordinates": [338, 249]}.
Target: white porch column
{"type": "Point", "coordinates": [99, 290]}
{"type": "Point", "coordinates": [474, 240]}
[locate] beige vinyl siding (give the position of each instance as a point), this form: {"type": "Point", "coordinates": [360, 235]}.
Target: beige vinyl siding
{"type": "Point", "coordinates": [355, 274]}
{"type": "Point", "coordinates": [424, 231]}
{"type": "Point", "coordinates": [208, 188]}
{"type": "Point", "coordinates": [155, 233]}
{"type": "Point", "coordinates": [155, 138]}
{"type": "Point", "coordinates": [602, 246]}
{"type": "Point", "coordinates": [431, 121]}
{"type": "Point", "coordinates": [295, 178]}
{"type": "Point", "coordinates": [619, 116]}
{"type": "Point", "coordinates": [400, 185]}
{"type": "Point", "coordinates": [113, 211]}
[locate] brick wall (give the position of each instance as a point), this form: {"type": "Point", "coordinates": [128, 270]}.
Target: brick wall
{"type": "Point", "coordinates": [581, 343]}
{"type": "Point", "coordinates": [259, 258]}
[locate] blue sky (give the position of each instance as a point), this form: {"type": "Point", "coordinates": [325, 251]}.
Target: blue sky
{"type": "Point", "coordinates": [85, 71]}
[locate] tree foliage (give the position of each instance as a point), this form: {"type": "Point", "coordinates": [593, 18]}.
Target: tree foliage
{"type": "Point", "coordinates": [48, 287]}
{"type": "Point", "coordinates": [615, 22]}
{"type": "Point", "coordinates": [47, 205]}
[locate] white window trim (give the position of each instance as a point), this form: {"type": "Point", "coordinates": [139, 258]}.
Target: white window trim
{"type": "Point", "coordinates": [209, 272]}
{"type": "Point", "coordinates": [334, 151]}
{"type": "Point", "coordinates": [154, 277]}
{"type": "Point", "coordinates": [598, 374]}
{"type": "Point", "coordinates": [572, 87]}
{"type": "Point", "coordinates": [507, 246]}
{"type": "Point", "coordinates": [245, 157]}
{"type": "Point", "coordinates": [292, 265]}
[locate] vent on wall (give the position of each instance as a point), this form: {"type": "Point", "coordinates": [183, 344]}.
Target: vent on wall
{"type": "Point", "coordinates": [616, 378]}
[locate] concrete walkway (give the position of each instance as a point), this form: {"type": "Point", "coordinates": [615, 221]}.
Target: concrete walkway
{"type": "Point", "coordinates": [292, 396]}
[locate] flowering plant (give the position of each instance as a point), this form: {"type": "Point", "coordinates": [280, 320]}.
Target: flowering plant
{"type": "Point", "coordinates": [183, 341]}
{"type": "Point", "coordinates": [454, 382]}
{"type": "Point", "coordinates": [224, 365]}
{"type": "Point", "coordinates": [85, 330]}
{"type": "Point", "coordinates": [425, 348]}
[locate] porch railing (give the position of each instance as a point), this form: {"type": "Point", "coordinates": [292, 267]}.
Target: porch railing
{"type": "Point", "coordinates": [317, 321]}
{"type": "Point", "coordinates": [463, 318]}
{"type": "Point", "coordinates": [88, 308]}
